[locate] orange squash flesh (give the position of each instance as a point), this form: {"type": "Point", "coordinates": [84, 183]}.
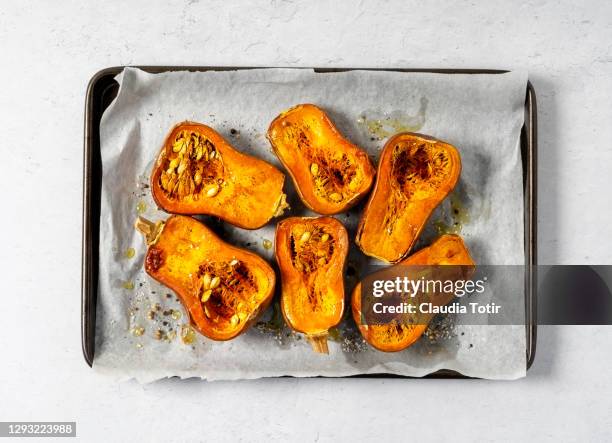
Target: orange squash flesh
{"type": "Point", "coordinates": [396, 336]}
{"type": "Point", "coordinates": [330, 173]}
{"type": "Point", "coordinates": [223, 288]}
{"type": "Point", "coordinates": [198, 172]}
{"type": "Point", "coordinates": [415, 174]}
{"type": "Point", "coordinates": [311, 253]}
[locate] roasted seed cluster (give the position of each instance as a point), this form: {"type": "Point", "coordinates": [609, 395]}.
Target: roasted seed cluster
{"type": "Point", "coordinates": [335, 178]}
{"type": "Point", "coordinates": [419, 167]}
{"type": "Point", "coordinates": [221, 291]}
{"type": "Point", "coordinates": [193, 167]}
{"type": "Point", "coordinates": [335, 175]}
{"type": "Point", "coordinates": [311, 248]}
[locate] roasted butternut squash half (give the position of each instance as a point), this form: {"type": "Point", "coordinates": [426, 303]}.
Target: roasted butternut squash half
{"type": "Point", "coordinates": [330, 173]}
{"type": "Point", "coordinates": [415, 174]}
{"type": "Point", "coordinates": [198, 172]}
{"type": "Point", "coordinates": [222, 287]}
{"type": "Point", "coordinates": [398, 335]}
{"type": "Point", "coordinates": [311, 253]}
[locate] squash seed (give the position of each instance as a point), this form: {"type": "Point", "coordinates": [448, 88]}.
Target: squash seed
{"type": "Point", "coordinates": [215, 282]}
{"type": "Point", "coordinates": [212, 191]}
{"type": "Point", "coordinates": [197, 178]}
{"type": "Point", "coordinates": [164, 180]}
{"type": "Point", "coordinates": [235, 319]}
{"type": "Point", "coordinates": [206, 295]}
{"type": "Point", "coordinates": [171, 184]}
{"type": "Point", "coordinates": [206, 281]}
{"type": "Point", "coordinates": [314, 169]}
{"type": "Point", "coordinates": [173, 164]}
{"type": "Point", "coordinates": [324, 237]}
{"type": "Point", "coordinates": [305, 236]}
{"type": "Point", "coordinates": [181, 189]}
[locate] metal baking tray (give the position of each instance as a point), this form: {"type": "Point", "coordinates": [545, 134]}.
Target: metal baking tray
{"type": "Point", "coordinates": [101, 91]}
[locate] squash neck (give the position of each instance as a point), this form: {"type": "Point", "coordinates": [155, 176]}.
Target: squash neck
{"type": "Point", "coordinates": [319, 342]}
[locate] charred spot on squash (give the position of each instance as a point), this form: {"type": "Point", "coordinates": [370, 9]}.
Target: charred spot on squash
{"type": "Point", "coordinates": [154, 259]}
{"type": "Point", "coordinates": [192, 167]}
{"type": "Point", "coordinates": [225, 291]}
{"type": "Point", "coordinates": [394, 332]}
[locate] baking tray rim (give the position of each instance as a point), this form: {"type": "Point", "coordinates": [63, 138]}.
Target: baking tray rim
{"type": "Point", "coordinates": [528, 151]}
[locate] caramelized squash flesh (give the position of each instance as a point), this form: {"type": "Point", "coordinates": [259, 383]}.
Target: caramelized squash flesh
{"type": "Point", "coordinates": [311, 254]}
{"type": "Point", "coordinates": [199, 172]}
{"type": "Point", "coordinates": [415, 174]}
{"type": "Point", "coordinates": [330, 173]}
{"type": "Point", "coordinates": [398, 335]}
{"type": "Point", "coordinates": [223, 288]}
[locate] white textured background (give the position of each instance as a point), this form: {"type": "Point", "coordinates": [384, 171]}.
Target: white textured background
{"type": "Point", "coordinates": [51, 49]}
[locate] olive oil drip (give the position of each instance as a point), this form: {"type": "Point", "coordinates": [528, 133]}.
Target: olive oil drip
{"type": "Point", "coordinates": [380, 125]}
{"type": "Point", "coordinates": [459, 216]}
{"type": "Point", "coordinates": [141, 207]}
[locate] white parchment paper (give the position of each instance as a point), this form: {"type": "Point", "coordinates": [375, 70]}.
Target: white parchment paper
{"type": "Point", "coordinates": [479, 114]}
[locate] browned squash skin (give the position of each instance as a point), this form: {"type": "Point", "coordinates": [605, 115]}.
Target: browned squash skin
{"type": "Point", "coordinates": [446, 250]}
{"type": "Point", "coordinates": [311, 253]}
{"type": "Point", "coordinates": [199, 172]}
{"type": "Point", "coordinates": [222, 287]}
{"type": "Point", "coordinates": [330, 173]}
{"type": "Point", "coordinates": [415, 173]}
